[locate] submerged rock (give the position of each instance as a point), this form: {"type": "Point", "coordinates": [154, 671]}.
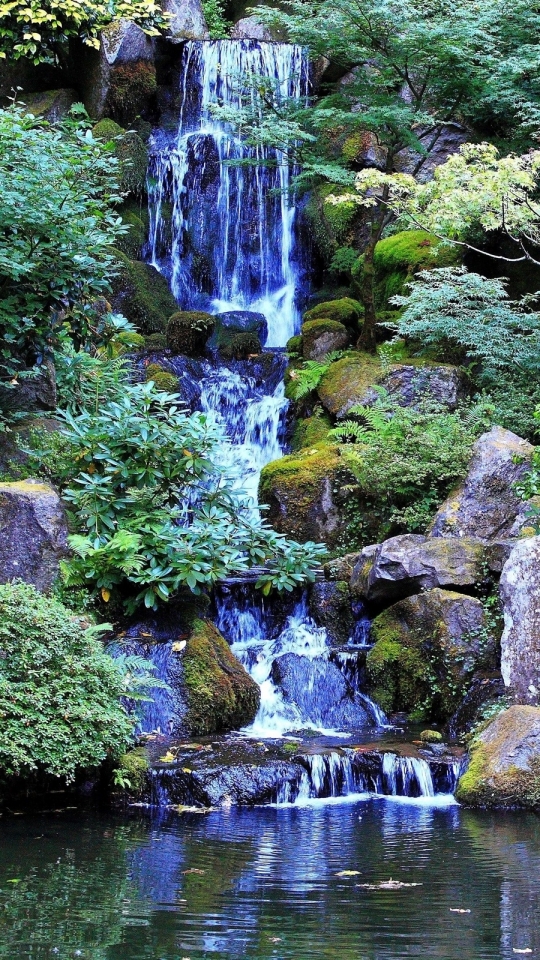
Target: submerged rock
{"type": "Point", "coordinates": [520, 641]}
{"type": "Point", "coordinates": [504, 766]}
{"type": "Point", "coordinates": [486, 505]}
{"type": "Point", "coordinates": [33, 533]}
{"type": "Point", "coordinates": [426, 651]}
{"type": "Point", "coordinates": [406, 564]}
{"type": "Point", "coordinates": [320, 691]}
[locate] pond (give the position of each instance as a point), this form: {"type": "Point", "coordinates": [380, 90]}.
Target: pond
{"type": "Point", "coordinates": [284, 883]}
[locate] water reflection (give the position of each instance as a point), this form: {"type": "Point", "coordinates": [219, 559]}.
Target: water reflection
{"type": "Point", "coordinates": [264, 883]}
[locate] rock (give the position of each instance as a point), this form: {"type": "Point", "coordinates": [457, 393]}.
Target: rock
{"type": "Point", "coordinates": [33, 533]}
{"type": "Point", "coordinates": [330, 607]}
{"type": "Point", "coordinates": [320, 691]}
{"type": "Point", "coordinates": [142, 294]}
{"type": "Point", "coordinates": [408, 385]}
{"type": "Point", "coordinates": [125, 42]}
{"type": "Point", "coordinates": [321, 337]}
{"type": "Point", "coordinates": [249, 28]}
{"type": "Point", "coordinates": [431, 736]}
{"type": "Point", "coordinates": [346, 383]}
{"type": "Point", "coordinates": [132, 154]}
{"type": "Point", "coordinates": [187, 22]}
{"type": "Point", "coordinates": [486, 505]}
{"type": "Point", "coordinates": [504, 766]}
{"type": "Point", "coordinates": [188, 332]}
{"type": "Point", "coordinates": [520, 641]}
{"type": "Point", "coordinates": [234, 323]}
{"type": "Point", "coordinates": [347, 311]}
{"type": "Point", "coordinates": [36, 392]}
{"type": "Point", "coordinates": [426, 651]}
{"type": "Point", "coordinates": [341, 568]}
{"type": "Point", "coordinates": [484, 692]}
{"type": "Point", "coordinates": [53, 105]}
{"type": "Point", "coordinates": [119, 79]}
{"type": "Point", "coordinates": [406, 564]}
{"type": "Point", "coordinates": [310, 431]}
{"type": "Point", "coordinates": [451, 137]}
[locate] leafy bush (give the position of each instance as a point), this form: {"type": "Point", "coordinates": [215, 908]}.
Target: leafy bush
{"type": "Point", "coordinates": [38, 29]}
{"type": "Point", "coordinates": [219, 27]}
{"type": "Point", "coordinates": [60, 693]}
{"type": "Point", "coordinates": [406, 458]}
{"type": "Point", "coordinates": [155, 514]}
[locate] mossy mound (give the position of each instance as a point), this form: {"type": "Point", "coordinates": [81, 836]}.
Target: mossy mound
{"type": "Point", "coordinates": [242, 346]}
{"type": "Point", "coordinates": [132, 89]}
{"type": "Point", "coordinates": [220, 693]}
{"type": "Point", "coordinates": [321, 337]}
{"type": "Point", "coordinates": [131, 152]}
{"type": "Point", "coordinates": [332, 224]}
{"type": "Point", "coordinates": [294, 345]}
{"type": "Point", "coordinates": [142, 294]}
{"type": "Point", "coordinates": [155, 341]}
{"type": "Point", "coordinates": [398, 258]}
{"type": "Point", "coordinates": [346, 382]}
{"type": "Point", "coordinates": [345, 310]}
{"type": "Point", "coordinates": [133, 768]}
{"type": "Point", "coordinates": [504, 766]}
{"type": "Point", "coordinates": [188, 331]}
{"type": "Point", "coordinates": [426, 651]}
{"type": "Point", "coordinates": [311, 431]}
{"type": "Point", "coordinates": [161, 378]}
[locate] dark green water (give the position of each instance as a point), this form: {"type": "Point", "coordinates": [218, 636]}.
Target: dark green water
{"type": "Point", "coordinates": [130, 889]}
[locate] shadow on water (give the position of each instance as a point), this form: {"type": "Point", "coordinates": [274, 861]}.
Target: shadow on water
{"type": "Point", "coordinates": [266, 883]}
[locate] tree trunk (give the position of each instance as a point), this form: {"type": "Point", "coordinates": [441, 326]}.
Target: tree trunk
{"type": "Point", "coordinates": [367, 340]}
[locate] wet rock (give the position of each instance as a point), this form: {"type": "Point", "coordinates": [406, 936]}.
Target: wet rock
{"type": "Point", "coordinates": [486, 505]}
{"type": "Point", "coordinates": [409, 385]}
{"type": "Point", "coordinates": [320, 691]}
{"type": "Point", "coordinates": [249, 28]}
{"type": "Point", "coordinates": [426, 651]}
{"type": "Point", "coordinates": [36, 392]}
{"type": "Point", "coordinates": [341, 568]}
{"type": "Point", "coordinates": [484, 692]}
{"type": "Point", "coordinates": [33, 533]}
{"type": "Point", "coordinates": [237, 322]}
{"type": "Point", "coordinates": [244, 784]}
{"type": "Point", "coordinates": [406, 564]}
{"type": "Point", "coordinates": [504, 766]}
{"type": "Point", "coordinates": [187, 22]}
{"type": "Point", "coordinates": [142, 294]}
{"type": "Point", "coordinates": [520, 641]}
{"type": "Point", "coordinates": [321, 337]}
{"type": "Point", "coordinates": [330, 607]}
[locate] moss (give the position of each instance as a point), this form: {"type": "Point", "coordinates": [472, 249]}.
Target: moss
{"type": "Point", "coordinates": [131, 152]}
{"type": "Point", "coordinates": [346, 381]}
{"type": "Point", "coordinates": [188, 331]}
{"type": "Point", "coordinates": [162, 379]}
{"type": "Point", "coordinates": [504, 765]}
{"type": "Point", "coordinates": [242, 346]}
{"type": "Point", "coordinates": [320, 337]}
{"type": "Point", "coordinates": [221, 695]}
{"type": "Point", "coordinates": [399, 257]}
{"type": "Point", "coordinates": [345, 310]}
{"type": "Point", "coordinates": [142, 294]}
{"type": "Point", "coordinates": [156, 341]}
{"type": "Point", "coordinates": [311, 431]}
{"type": "Point", "coordinates": [134, 767]}
{"type": "Point", "coordinates": [132, 87]}
{"type": "Point", "coordinates": [399, 678]}
{"type": "Point", "coordinates": [332, 225]}
{"type": "Point", "coordinates": [53, 105]}
{"type": "Point", "coordinates": [294, 345]}
{"type": "Point", "coordinates": [431, 736]}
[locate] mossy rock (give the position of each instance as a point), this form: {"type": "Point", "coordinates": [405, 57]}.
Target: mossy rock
{"type": "Point", "coordinates": [332, 225]}
{"type": "Point", "coordinates": [131, 152]}
{"type": "Point", "coordinates": [52, 105]}
{"type": "Point", "coordinates": [347, 311]}
{"type": "Point", "coordinates": [242, 346]}
{"type": "Point", "coordinates": [321, 337]}
{"type": "Point", "coordinates": [161, 378]}
{"type": "Point", "coordinates": [155, 341]}
{"type": "Point", "coordinates": [131, 90]}
{"type": "Point", "coordinates": [220, 694]}
{"type": "Point", "coordinates": [504, 765]}
{"type": "Point", "coordinates": [398, 258]}
{"type": "Point", "coordinates": [142, 294]}
{"type": "Point", "coordinates": [134, 767]}
{"type": "Point", "coordinates": [431, 736]}
{"type": "Point", "coordinates": [347, 381]}
{"type": "Point", "coordinates": [294, 345]}
{"type": "Point", "coordinates": [311, 431]}
{"type": "Point", "coordinates": [188, 331]}
{"type": "Point", "coordinates": [426, 652]}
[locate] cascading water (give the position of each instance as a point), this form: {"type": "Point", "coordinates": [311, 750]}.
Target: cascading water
{"type": "Point", "coordinates": [225, 233]}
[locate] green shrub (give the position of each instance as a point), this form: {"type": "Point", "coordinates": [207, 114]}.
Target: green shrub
{"type": "Point", "coordinates": [60, 692]}
{"type": "Point", "coordinates": [219, 27]}
{"type": "Point", "coordinates": [188, 331]}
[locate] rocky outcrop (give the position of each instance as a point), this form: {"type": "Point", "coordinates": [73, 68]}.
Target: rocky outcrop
{"type": "Point", "coordinates": [52, 105]}
{"type": "Point", "coordinates": [187, 20]}
{"type": "Point", "coordinates": [33, 533]}
{"type": "Point", "coordinates": [237, 323]}
{"type": "Point", "coordinates": [404, 565]}
{"type": "Point", "coordinates": [520, 641]}
{"type": "Point", "coordinates": [504, 766]}
{"type": "Point", "coordinates": [119, 79]}
{"type": "Point", "coordinates": [37, 392]}
{"type": "Point", "coordinates": [486, 505]}
{"type": "Point", "coordinates": [409, 384]}
{"type": "Point", "coordinates": [426, 651]}
{"type": "Point", "coordinates": [347, 381]}
{"type": "Point", "coordinates": [249, 28]}
{"type": "Point", "coordinates": [330, 607]}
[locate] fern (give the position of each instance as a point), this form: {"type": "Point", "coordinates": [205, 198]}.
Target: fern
{"type": "Point", "coordinates": [307, 378]}
{"type": "Point", "coordinates": [350, 431]}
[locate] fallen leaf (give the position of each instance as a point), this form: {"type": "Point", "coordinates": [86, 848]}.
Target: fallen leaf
{"type": "Point", "coordinates": [388, 885]}
{"type": "Point", "coordinates": [13, 881]}
{"type": "Point", "coordinates": [168, 758]}
{"type": "Point", "coordinates": [348, 873]}
{"type": "Point", "coordinates": [194, 870]}
{"type": "Point", "coordinates": [458, 910]}
{"type": "Point", "coordinates": [274, 939]}
{"type": "Point", "coordinates": [526, 950]}
{"type": "Point", "coordinates": [178, 646]}
{"type": "Point", "coordinates": [182, 808]}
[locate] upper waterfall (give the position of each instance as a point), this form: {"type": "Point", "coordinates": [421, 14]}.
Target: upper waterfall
{"type": "Point", "coordinates": [225, 234]}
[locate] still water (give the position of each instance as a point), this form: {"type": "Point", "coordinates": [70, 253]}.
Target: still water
{"type": "Point", "coordinates": [265, 883]}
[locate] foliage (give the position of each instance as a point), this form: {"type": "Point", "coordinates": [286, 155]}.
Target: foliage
{"type": "Point", "coordinates": [58, 187]}
{"type": "Point", "coordinates": [60, 693]}
{"type": "Point", "coordinates": [219, 27]}
{"type": "Point", "coordinates": [156, 514]}
{"type": "Point", "coordinates": [39, 29]}
{"type": "Point", "coordinates": [303, 380]}
{"type": "Point", "coordinates": [409, 456]}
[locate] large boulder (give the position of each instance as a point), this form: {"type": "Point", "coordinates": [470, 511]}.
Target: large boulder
{"type": "Point", "coordinates": [142, 294]}
{"type": "Point", "coordinates": [486, 504]}
{"type": "Point", "coordinates": [426, 652]}
{"type": "Point", "coordinates": [33, 533]}
{"type": "Point", "coordinates": [409, 384]}
{"type": "Point", "coordinates": [504, 766]}
{"type": "Point", "coordinates": [520, 641]}
{"type": "Point", "coordinates": [119, 79]}
{"type": "Point", "coordinates": [406, 564]}
{"type": "Point", "coordinates": [321, 337]}
{"type": "Point", "coordinates": [347, 381]}
{"type": "Point", "coordinates": [249, 28]}
{"type": "Point", "coordinates": [234, 323]}
{"type": "Point", "coordinates": [187, 20]}
{"type": "Point", "coordinates": [320, 691]}
{"type": "Point", "coordinates": [330, 606]}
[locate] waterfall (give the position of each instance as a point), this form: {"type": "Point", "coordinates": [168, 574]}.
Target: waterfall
{"type": "Point", "coordinates": [225, 234]}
